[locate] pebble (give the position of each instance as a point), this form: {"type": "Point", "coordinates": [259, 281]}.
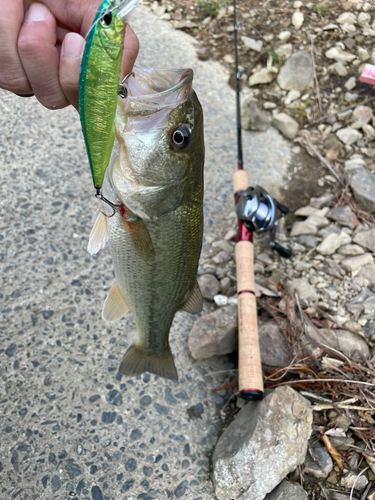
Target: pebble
{"type": "Point", "coordinates": [284, 36]}
{"type": "Point", "coordinates": [362, 184]}
{"type": "Point", "coordinates": [344, 216]}
{"type": "Point", "coordinates": [265, 75]}
{"type": "Point", "coordinates": [339, 69]}
{"type": "Point", "coordinates": [252, 116]}
{"type": "Point", "coordinates": [273, 344]}
{"type": "Point", "coordinates": [348, 135]}
{"type": "Point", "coordinates": [303, 228]}
{"type": "Point", "coordinates": [297, 19]}
{"type": "Point", "coordinates": [351, 250]}
{"type": "Point", "coordinates": [287, 491]}
{"type": "Point", "coordinates": [329, 27]}
{"type": "Point", "coordinates": [364, 19]}
{"type": "Point", "coordinates": [352, 479]}
{"type": "Point", "coordinates": [318, 461]}
{"type": "Point", "coordinates": [293, 95]}
{"type": "Point", "coordinates": [284, 51]}
{"type": "Point", "coordinates": [114, 398]}
{"type": "Point", "coordinates": [286, 125]}
{"type": "Point", "coordinates": [252, 44]}
{"type": "Point", "coordinates": [303, 288]}
{"type": "Point", "coordinates": [339, 55]}
{"type": "Point", "coordinates": [362, 114]}
{"type": "Point", "coordinates": [332, 242]}
{"type": "Point", "coordinates": [346, 17]}
{"type": "Point", "coordinates": [351, 83]}
{"type": "Point", "coordinates": [209, 286]}
{"type": "Point", "coordinates": [297, 72]}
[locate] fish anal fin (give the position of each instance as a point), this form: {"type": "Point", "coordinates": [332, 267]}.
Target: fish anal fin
{"type": "Point", "coordinates": [115, 306]}
{"type": "Point", "coordinates": [194, 302]}
{"type": "Point", "coordinates": [99, 233]}
{"type": "Point", "coordinates": [137, 361]}
{"type": "Point", "coordinates": [140, 237]}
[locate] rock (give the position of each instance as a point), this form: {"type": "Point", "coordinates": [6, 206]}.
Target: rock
{"type": "Point", "coordinates": [221, 258]}
{"type": "Point", "coordinates": [297, 19]}
{"type": "Point", "coordinates": [265, 75]}
{"type": "Point", "coordinates": [350, 250]}
{"type": "Point", "coordinates": [348, 135]}
{"type": "Point", "coordinates": [362, 114]}
{"type": "Point", "coordinates": [267, 440]}
{"type": "Point", "coordinates": [252, 44]}
{"type": "Point", "coordinates": [351, 83]}
{"type": "Point", "coordinates": [303, 227]}
{"type": "Point", "coordinates": [308, 241]}
{"type": "Point", "coordinates": [354, 264]}
{"type": "Point", "coordinates": [225, 284]}
{"type": "Point", "coordinates": [287, 491]}
{"type": "Point", "coordinates": [366, 239]}
{"type": "Point", "coordinates": [158, 9]}
{"type": "Point", "coordinates": [353, 163]}
{"type": "Point", "coordinates": [362, 184]}
{"type": "Point", "coordinates": [351, 97]}
{"type": "Point", "coordinates": [344, 216]}
{"type": "Point", "coordinates": [356, 305]}
{"type": "Point", "coordinates": [286, 125]}
{"type": "Point", "coordinates": [318, 461]}
{"type": "Point", "coordinates": [338, 68]}
{"type": "Point", "coordinates": [222, 245]}
{"type": "Point", "coordinates": [252, 116]}
{"type": "Point", "coordinates": [348, 28]}
{"type": "Point", "coordinates": [345, 115]}
{"type": "Point", "coordinates": [215, 333]}
{"type": "Point", "coordinates": [363, 55]}
{"type": "Point", "coordinates": [293, 95]}
{"type": "Point", "coordinates": [284, 36]}
{"type": "Point", "coordinates": [349, 343]}
{"type": "Point", "coordinates": [363, 19]}
{"type": "Point", "coordinates": [352, 479]}
{"type": "Point", "coordinates": [332, 242]}
{"type": "Point", "coordinates": [369, 132]}
{"type": "Point", "coordinates": [305, 211]}
{"type": "Point", "coordinates": [368, 272]}
{"type": "Point", "coordinates": [297, 72]}
{"type": "Point", "coordinates": [346, 17]}
{"type": "Point", "coordinates": [329, 27]}
{"type": "Point", "coordinates": [284, 51]}
{"type": "Point", "coordinates": [269, 105]}
{"type": "Point", "coordinates": [273, 344]}
{"type": "Point", "coordinates": [203, 53]}
{"type": "Point", "coordinates": [340, 55]}
{"type": "Point", "coordinates": [209, 285]}
{"type": "Point", "coordinates": [303, 288]}
{"type": "Point", "coordinates": [322, 201]}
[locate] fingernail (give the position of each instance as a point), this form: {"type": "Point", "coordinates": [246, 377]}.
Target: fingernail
{"type": "Point", "coordinates": [72, 45]}
{"type": "Point", "coordinates": [37, 12]}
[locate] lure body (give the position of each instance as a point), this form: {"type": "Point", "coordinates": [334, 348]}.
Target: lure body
{"type": "Point", "coordinates": [99, 81]}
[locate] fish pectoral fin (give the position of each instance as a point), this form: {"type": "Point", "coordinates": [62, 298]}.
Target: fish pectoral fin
{"type": "Point", "coordinates": [194, 302]}
{"type": "Point", "coordinates": [140, 237]}
{"type": "Point", "coordinates": [99, 233]}
{"type": "Point", "coordinates": [137, 361]}
{"type": "Point", "coordinates": [115, 306]}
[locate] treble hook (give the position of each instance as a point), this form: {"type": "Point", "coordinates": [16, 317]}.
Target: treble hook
{"type": "Point", "coordinates": [115, 208]}
{"type": "Point", "coordinates": [122, 90]}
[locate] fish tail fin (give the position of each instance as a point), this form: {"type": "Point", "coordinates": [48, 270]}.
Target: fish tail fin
{"type": "Point", "coordinates": [137, 361]}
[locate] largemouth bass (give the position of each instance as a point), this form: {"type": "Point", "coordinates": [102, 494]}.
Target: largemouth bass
{"type": "Point", "coordinates": [99, 83]}
{"type": "Point", "coordinates": [155, 182]}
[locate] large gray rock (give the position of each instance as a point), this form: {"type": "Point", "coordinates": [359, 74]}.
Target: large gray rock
{"type": "Point", "coordinates": [297, 72]}
{"type": "Point", "coordinates": [287, 491]}
{"type": "Point", "coordinates": [363, 187]}
{"type": "Point", "coordinates": [344, 216]}
{"type": "Point", "coordinates": [349, 343]}
{"type": "Point", "coordinates": [273, 344]}
{"type": "Point", "coordinates": [253, 118]}
{"type": "Point", "coordinates": [215, 333]}
{"type": "Point", "coordinates": [262, 445]}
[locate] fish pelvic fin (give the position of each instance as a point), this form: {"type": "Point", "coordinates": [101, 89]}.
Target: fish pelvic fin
{"type": "Point", "coordinates": [194, 302]}
{"type": "Point", "coordinates": [115, 306]}
{"type": "Point", "coordinates": [137, 361]}
{"type": "Point", "coordinates": [99, 233]}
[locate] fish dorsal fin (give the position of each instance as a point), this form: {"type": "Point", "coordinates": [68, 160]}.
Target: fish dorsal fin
{"type": "Point", "coordinates": [99, 233]}
{"type": "Point", "coordinates": [194, 302]}
{"type": "Point", "coordinates": [114, 306]}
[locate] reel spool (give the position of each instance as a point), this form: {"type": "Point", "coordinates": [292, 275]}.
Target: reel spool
{"type": "Point", "coordinates": [260, 212]}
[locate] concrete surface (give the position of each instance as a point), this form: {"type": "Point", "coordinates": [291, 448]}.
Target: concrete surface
{"type": "Point", "coordinates": [70, 426]}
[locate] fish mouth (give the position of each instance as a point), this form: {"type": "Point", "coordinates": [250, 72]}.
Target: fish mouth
{"type": "Point", "coordinates": [152, 90]}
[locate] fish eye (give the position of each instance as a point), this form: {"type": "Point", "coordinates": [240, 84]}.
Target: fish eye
{"type": "Point", "coordinates": [180, 137]}
{"type": "Point", "coordinates": [106, 19]}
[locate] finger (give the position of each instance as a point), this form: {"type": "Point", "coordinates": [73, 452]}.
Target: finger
{"type": "Point", "coordinates": [131, 48]}
{"type": "Point", "coordinates": [70, 64]}
{"type": "Point", "coordinates": [39, 56]}
{"type": "Point", "coordinates": [12, 74]}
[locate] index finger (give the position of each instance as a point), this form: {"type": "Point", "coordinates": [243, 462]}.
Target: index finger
{"type": "Point", "coordinates": [12, 74]}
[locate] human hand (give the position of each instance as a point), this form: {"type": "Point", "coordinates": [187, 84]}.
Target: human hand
{"type": "Point", "coordinates": [42, 45]}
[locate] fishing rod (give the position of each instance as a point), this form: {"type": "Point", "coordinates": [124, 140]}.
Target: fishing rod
{"type": "Point", "coordinates": [256, 211]}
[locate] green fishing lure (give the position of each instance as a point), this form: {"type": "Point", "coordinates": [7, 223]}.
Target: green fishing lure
{"type": "Point", "coordinates": [99, 83]}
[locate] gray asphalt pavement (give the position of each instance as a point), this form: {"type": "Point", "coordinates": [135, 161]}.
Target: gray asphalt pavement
{"type": "Point", "coordinates": [70, 426]}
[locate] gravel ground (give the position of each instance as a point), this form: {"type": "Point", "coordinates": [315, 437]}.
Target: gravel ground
{"type": "Point", "coordinates": [71, 426]}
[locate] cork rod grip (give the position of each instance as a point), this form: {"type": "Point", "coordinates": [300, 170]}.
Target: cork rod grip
{"type": "Point", "coordinates": [249, 361]}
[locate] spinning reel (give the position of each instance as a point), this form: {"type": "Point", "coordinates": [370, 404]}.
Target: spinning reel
{"type": "Point", "coordinates": [260, 212]}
